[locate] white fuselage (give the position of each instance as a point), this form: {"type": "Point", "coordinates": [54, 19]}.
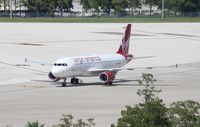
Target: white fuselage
{"type": "Point", "coordinates": [81, 66]}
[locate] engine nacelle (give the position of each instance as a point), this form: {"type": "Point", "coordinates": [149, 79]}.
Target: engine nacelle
{"type": "Point", "coordinates": [52, 77]}
{"type": "Point", "coordinates": [107, 77]}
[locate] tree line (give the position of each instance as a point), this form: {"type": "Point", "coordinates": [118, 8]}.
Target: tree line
{"type": "Point", "coordinates": [36, 7]}
{"type": "Point", "coordinates": [106, 6]}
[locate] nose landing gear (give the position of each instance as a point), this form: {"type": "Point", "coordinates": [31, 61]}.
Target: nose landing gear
{"type": "Point", "coordinates": [64, 84]}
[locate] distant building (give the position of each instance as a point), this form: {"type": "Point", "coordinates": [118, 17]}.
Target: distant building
{"type": "Point", "coordinates": [77, 7]}
{"type": "Point", "coordinates": [15, 5]}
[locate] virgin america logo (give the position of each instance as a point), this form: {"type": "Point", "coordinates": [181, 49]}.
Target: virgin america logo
{"type": "Point", "coordinates": [125, 46]}
{"type": "Point", "coordinates": [88, 59]}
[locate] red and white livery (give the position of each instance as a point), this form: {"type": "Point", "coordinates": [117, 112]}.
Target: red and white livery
{"type": "Point", "coordinates": [105, 66]}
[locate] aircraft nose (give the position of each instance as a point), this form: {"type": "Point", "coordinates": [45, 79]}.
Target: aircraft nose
{"type": "Point", "coordinates": [56, 71]}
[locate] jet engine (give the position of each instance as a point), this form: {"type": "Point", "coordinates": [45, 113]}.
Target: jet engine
{"type": "Point", "coordinates": [52, 77]}
{"type": "Point", "coordinates": [107, 77]}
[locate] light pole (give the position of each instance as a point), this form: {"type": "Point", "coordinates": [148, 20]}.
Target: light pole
{"type": "Point", "coordinates": [163, 9]}
{"type": "Point", "coordinates": [10, 9]}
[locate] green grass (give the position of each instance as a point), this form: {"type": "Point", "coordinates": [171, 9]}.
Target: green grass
{"type": "Point", "coordinates": [103, 20]}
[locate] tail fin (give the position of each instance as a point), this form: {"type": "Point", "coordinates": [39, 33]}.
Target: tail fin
{"type": "Point", "coordinates": [124, 46]}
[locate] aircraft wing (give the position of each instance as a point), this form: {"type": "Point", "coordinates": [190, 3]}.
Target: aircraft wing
{"type": "Point", "coordinates": [23, 66]}
{"type": "Point", "coordinates": [108, 69]}
{"type": "Point", "coordinates": [37, 62]}
{"type": "Point", "coordinates": [96, 70]}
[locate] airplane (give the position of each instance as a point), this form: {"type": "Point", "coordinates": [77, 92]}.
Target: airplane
{"type": "Point", "coordinates": [105, 66]}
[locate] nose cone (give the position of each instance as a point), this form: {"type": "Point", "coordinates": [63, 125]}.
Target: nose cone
{"type": "Point", "coordinates": [57, 71]}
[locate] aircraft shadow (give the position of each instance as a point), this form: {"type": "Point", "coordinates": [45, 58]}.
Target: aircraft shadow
{"type": "Point", "coordinates": [117, 82]}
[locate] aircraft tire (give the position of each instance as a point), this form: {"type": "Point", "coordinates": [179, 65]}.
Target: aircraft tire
{"type": "Point", "coordinates": [108, 83]}
{"type": "Point", "coordinates": [76, 81]}
{"type": "Point", "coordinates": [72, 80]}
{"type": "Point", "coordinates": [64, 84]}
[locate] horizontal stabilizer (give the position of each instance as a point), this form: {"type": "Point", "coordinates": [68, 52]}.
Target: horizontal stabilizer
{"type": "Point", "coordinates": [143, 57]}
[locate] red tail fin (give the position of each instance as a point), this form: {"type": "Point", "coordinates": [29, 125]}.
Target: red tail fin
{"type": "Point", "coordinates": [124, 46]}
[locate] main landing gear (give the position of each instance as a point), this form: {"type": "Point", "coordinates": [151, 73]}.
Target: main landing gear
{"type": "Point", "coordinates": [109, 83]}
{"type": "Point", "coordinates": [73, 81]}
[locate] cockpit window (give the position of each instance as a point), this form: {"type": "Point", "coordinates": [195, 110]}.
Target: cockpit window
{"type": "Point", "coordinates": [60, 64]}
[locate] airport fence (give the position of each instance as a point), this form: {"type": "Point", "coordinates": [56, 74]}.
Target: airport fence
{"type": "Point", "coordinates": [97, 14]}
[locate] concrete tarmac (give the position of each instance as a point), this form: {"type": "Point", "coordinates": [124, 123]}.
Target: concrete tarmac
{"type": "Point", "coordinates": [26, 94]}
